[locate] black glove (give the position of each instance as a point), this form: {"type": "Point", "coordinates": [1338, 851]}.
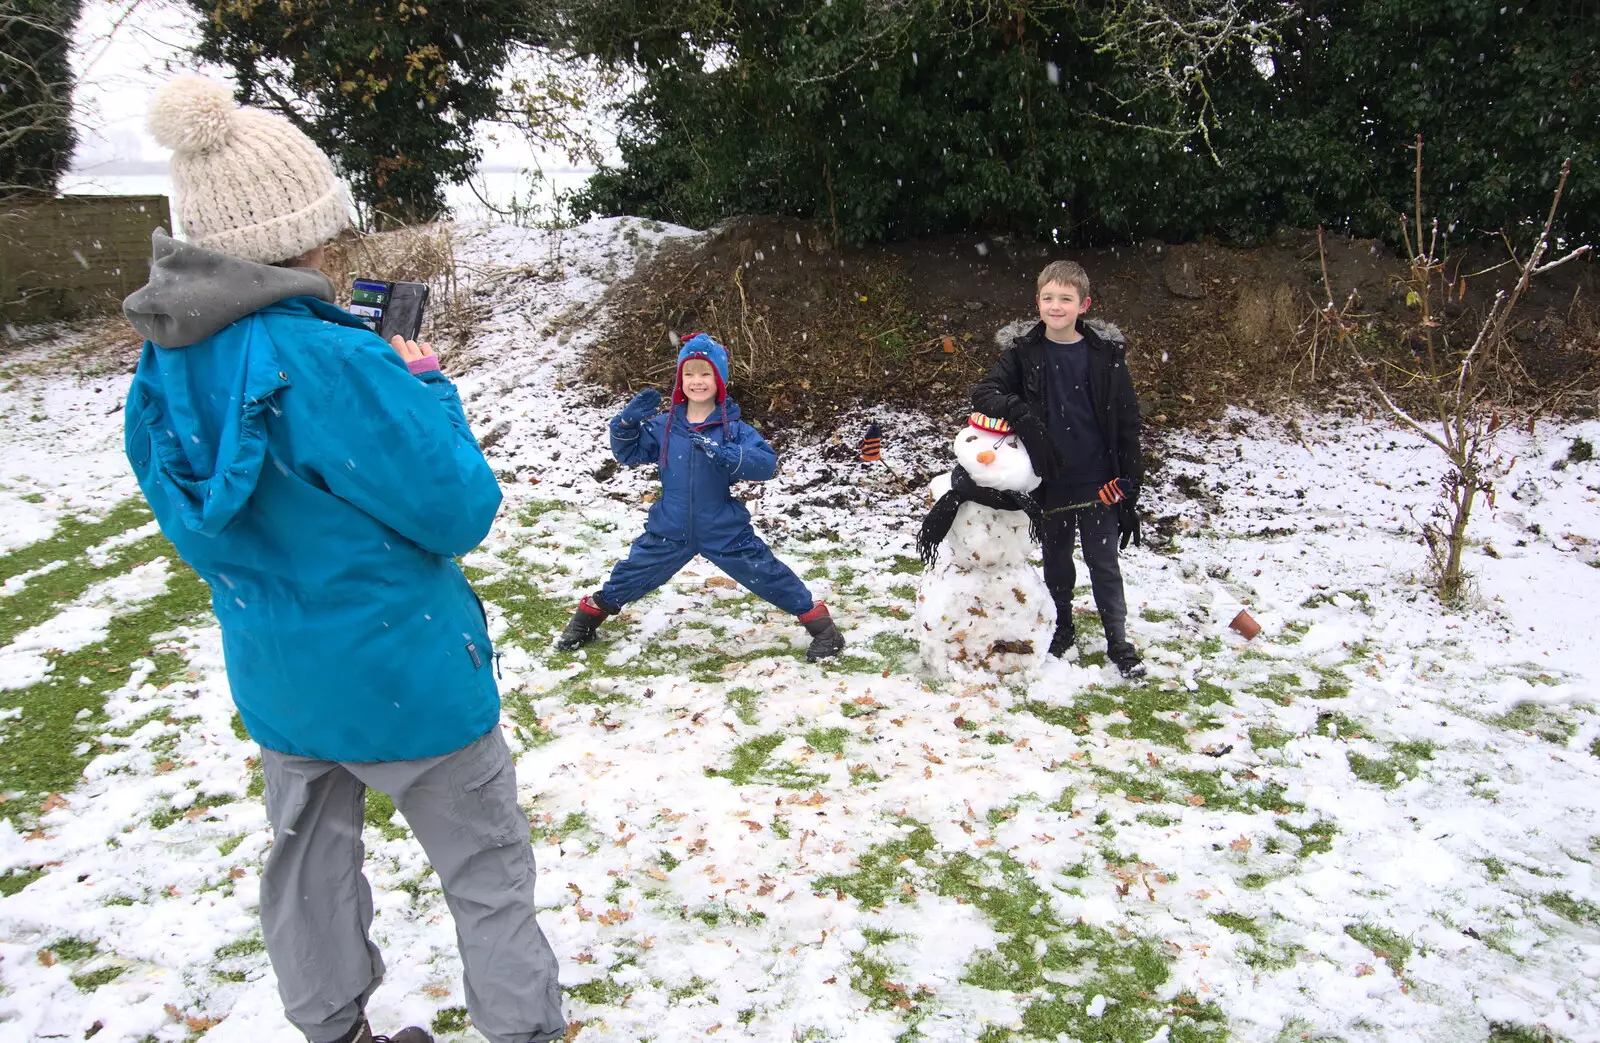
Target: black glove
{"type": "Point", "coordinates": [1128, 522]}
{"type": "Point", "coordinates": [1042, 451]}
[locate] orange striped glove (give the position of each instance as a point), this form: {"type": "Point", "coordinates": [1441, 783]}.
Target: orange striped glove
{"type": "Point", "coordinates": [1115, 491]}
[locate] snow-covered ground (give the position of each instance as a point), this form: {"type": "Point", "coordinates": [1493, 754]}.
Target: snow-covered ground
{"type": "Point", "coordinates": [1376, 821]}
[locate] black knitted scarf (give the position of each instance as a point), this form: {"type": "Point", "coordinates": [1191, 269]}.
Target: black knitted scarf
{"type": "Point", "coordinates": [936, 526]}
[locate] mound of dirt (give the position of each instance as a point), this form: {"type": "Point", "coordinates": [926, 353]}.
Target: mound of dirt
{"type": "Point", "coordinates": [814, 328]}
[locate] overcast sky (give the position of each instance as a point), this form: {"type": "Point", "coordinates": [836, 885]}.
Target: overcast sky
{"type": "Point", "coordinates": [124, 49]}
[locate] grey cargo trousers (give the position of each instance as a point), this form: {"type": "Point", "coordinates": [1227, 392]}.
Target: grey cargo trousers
{"type": "Point", "coordinates": [316, 905]}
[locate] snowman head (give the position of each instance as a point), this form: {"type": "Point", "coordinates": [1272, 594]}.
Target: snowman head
{"type": "Point", "coordinates": [993, 455]}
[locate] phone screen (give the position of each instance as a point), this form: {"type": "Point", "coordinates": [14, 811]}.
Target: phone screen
{"type": "Point", "coordinates": [403, 315]}
{"type": "Point", "coordinates": [389, 308]}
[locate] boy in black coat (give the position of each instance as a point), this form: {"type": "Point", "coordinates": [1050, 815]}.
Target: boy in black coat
{"type": "Point", "coordinates": [1065, 389]}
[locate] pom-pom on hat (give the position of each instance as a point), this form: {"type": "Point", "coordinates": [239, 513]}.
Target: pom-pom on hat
{"type": "Point", "coordinates": [701, 346]}
{"type": "Point", "coordinates": [993, 425]}
{"type": "Point", "coordinates": [245, 182]}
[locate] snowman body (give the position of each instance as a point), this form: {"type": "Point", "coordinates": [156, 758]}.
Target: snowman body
{"type": "Point", "coordinates": [983, 610]}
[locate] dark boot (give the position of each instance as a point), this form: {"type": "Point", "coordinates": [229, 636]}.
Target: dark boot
{"type": "Point", "coordinates": [826, 641]}
{"type": "Point", "coordinates": [362, 1033]}
{"type": "Point", "coordinates": [1065, 637]}
{"type": "Point", "coordinates": [586, 619]}
{"type": "Point", "coordinates": [1126, 659]}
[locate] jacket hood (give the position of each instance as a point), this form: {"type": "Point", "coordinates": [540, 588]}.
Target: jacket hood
{"type": "Point", "coordinates": [1105, 332]}
{"type": "Point", "coordinates": [194, 292]}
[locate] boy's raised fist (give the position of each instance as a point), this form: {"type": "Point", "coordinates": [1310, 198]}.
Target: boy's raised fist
{"type": "Point", "coordinates": [641, 407]}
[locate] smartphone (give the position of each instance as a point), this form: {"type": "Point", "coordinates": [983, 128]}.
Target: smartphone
{"type": "Point", "coordinates": [389, 308]}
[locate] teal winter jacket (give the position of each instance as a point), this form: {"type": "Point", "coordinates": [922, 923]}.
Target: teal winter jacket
{"type": "Point", "coordinates": [323, 492]}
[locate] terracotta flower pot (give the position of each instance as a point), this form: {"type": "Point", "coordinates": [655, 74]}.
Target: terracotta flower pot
{"type": "Point", "coordinates": [1245, 624]}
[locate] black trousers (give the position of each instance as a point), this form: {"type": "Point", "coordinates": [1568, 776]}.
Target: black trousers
{"type": "Point", "coordinates": [1098, 527]}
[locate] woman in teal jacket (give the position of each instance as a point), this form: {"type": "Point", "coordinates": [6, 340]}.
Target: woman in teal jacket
{"type": "Point", "coordinates": [323, 492]}
{"type": "Point", "coordinates": [322, 483]}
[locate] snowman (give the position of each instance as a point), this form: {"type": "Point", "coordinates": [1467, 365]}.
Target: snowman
{"type": "Point", "coordinates": [983, 611]}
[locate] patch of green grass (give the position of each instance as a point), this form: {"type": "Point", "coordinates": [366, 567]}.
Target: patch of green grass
{"type": "Point", "coordinates": [1505, 1032]}
{"type": "Point", "coordinates": [226, 847]}
{"type": "Point", "coordinates": [1269, 737]}
{"type": "Point", "coordinates": [874, 979]}
{"type": "Point", "coordinates": [1238, 923]}
{"type": "Point", "coordinates": [1577, 910]}
{"type": "Point", "coordinates": [1157, 615]}
{"type": "Point", "coordinates": [91, 980]}
{"type": "Point", "coordinates": [1278, 688]}
{"type": "Point", "coordinates": [828, 740]}
{"type": "Point", "coordinates": [878, 873]}
{"type": "Point", "coordinates": [1209, 693]}
{"type": "Point", "coordinates": [533, 510]}
{"type": "Point", "coordinates": [906, 566]}
{"type": "Point", "coordinates": [73, 950]}
{"type": "Point", "coordinates": [1156, 819]}
{"type": "Point", "coordinates": [751, 765]}
{"type": "Point", "coordinates": [243, 947]}
{"type": "Point", "coordinates": [1267, 958]}
{"type": "Point", "coordinates": [694, 987]}
{"type": "Point", "coordinates": [1404, 757]}
{"type": "Point", "coordinates": [1293, 632]}
{"type": "Point", "coordinates": [1255, 881]}
{"type": "Point", "coordinates": [743, 701]}
{"type": "Point", "coordinates": [601, 992]}
{"type": "Point", "coordinates": [1218, 796]}
{"type": "Point", "coordinates": [15, 881]}
{"type": "Point", "coordinates": [530, 617]}
{"type": "Point", "coordinates": [72, 537]}
{"type": "Point", "coordinates": [526, 726]}
{"type": "Point", "coordinates": [1384, 943]}
{"type": "Point", "coordinates": [1032, 941]}
{"type": "Point", "coordinates": [1315, 839]}
{"type": "Point", "coordinates": [1152, 713]}
{"type": "Point", "coordinates": [44, 596]}
{"type": "Point", "coordinates": [863, 775]}
{"type": "Point", "coordinates": [896, 649]}
{"type": "Point", "coordinates": [36, 757]}
{"type": "Point", "coordinates": [1538, 720]}
{"type": "Point", "coordinates": [379, 811]}
{"type": "Point", "coordinates": [583, 695]}
{"type": "Point", "coordinates": [450, 1020]}
{"type": "Point", "coordinates": [904, 591]}
{"type": "Point", "coordinates": [1494, 867]}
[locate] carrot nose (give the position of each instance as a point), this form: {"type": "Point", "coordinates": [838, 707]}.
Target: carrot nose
{"type": "Point", "coordinates": [986, 457]}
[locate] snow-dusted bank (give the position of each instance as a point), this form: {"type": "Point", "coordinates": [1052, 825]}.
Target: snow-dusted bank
{"type": "Point", "coordinates": [1376, 821]}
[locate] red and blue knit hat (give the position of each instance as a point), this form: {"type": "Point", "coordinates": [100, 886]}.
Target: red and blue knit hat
{"type": "Point", "coordinates": [701, 346]}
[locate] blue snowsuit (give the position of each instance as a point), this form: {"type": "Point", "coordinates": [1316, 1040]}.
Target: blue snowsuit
{"type": "Point", "coordinates": [695, 513]}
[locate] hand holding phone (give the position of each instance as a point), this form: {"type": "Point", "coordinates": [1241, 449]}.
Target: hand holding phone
{"type": "Point", "coordinates": [410, 350]}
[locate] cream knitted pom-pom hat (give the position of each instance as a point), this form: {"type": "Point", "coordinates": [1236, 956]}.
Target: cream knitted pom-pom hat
{"type": "Point", "coordinates": [245, 182]}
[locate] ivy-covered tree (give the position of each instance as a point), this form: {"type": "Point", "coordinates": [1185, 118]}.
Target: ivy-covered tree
{"type": "Point", "coordinates": [36, 132]}
{"type": "Point", "coordinates": [392, 90]}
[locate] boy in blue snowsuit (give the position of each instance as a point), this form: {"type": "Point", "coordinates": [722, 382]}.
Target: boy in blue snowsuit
{"type": "Point", "coordinates": [702, 448]}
